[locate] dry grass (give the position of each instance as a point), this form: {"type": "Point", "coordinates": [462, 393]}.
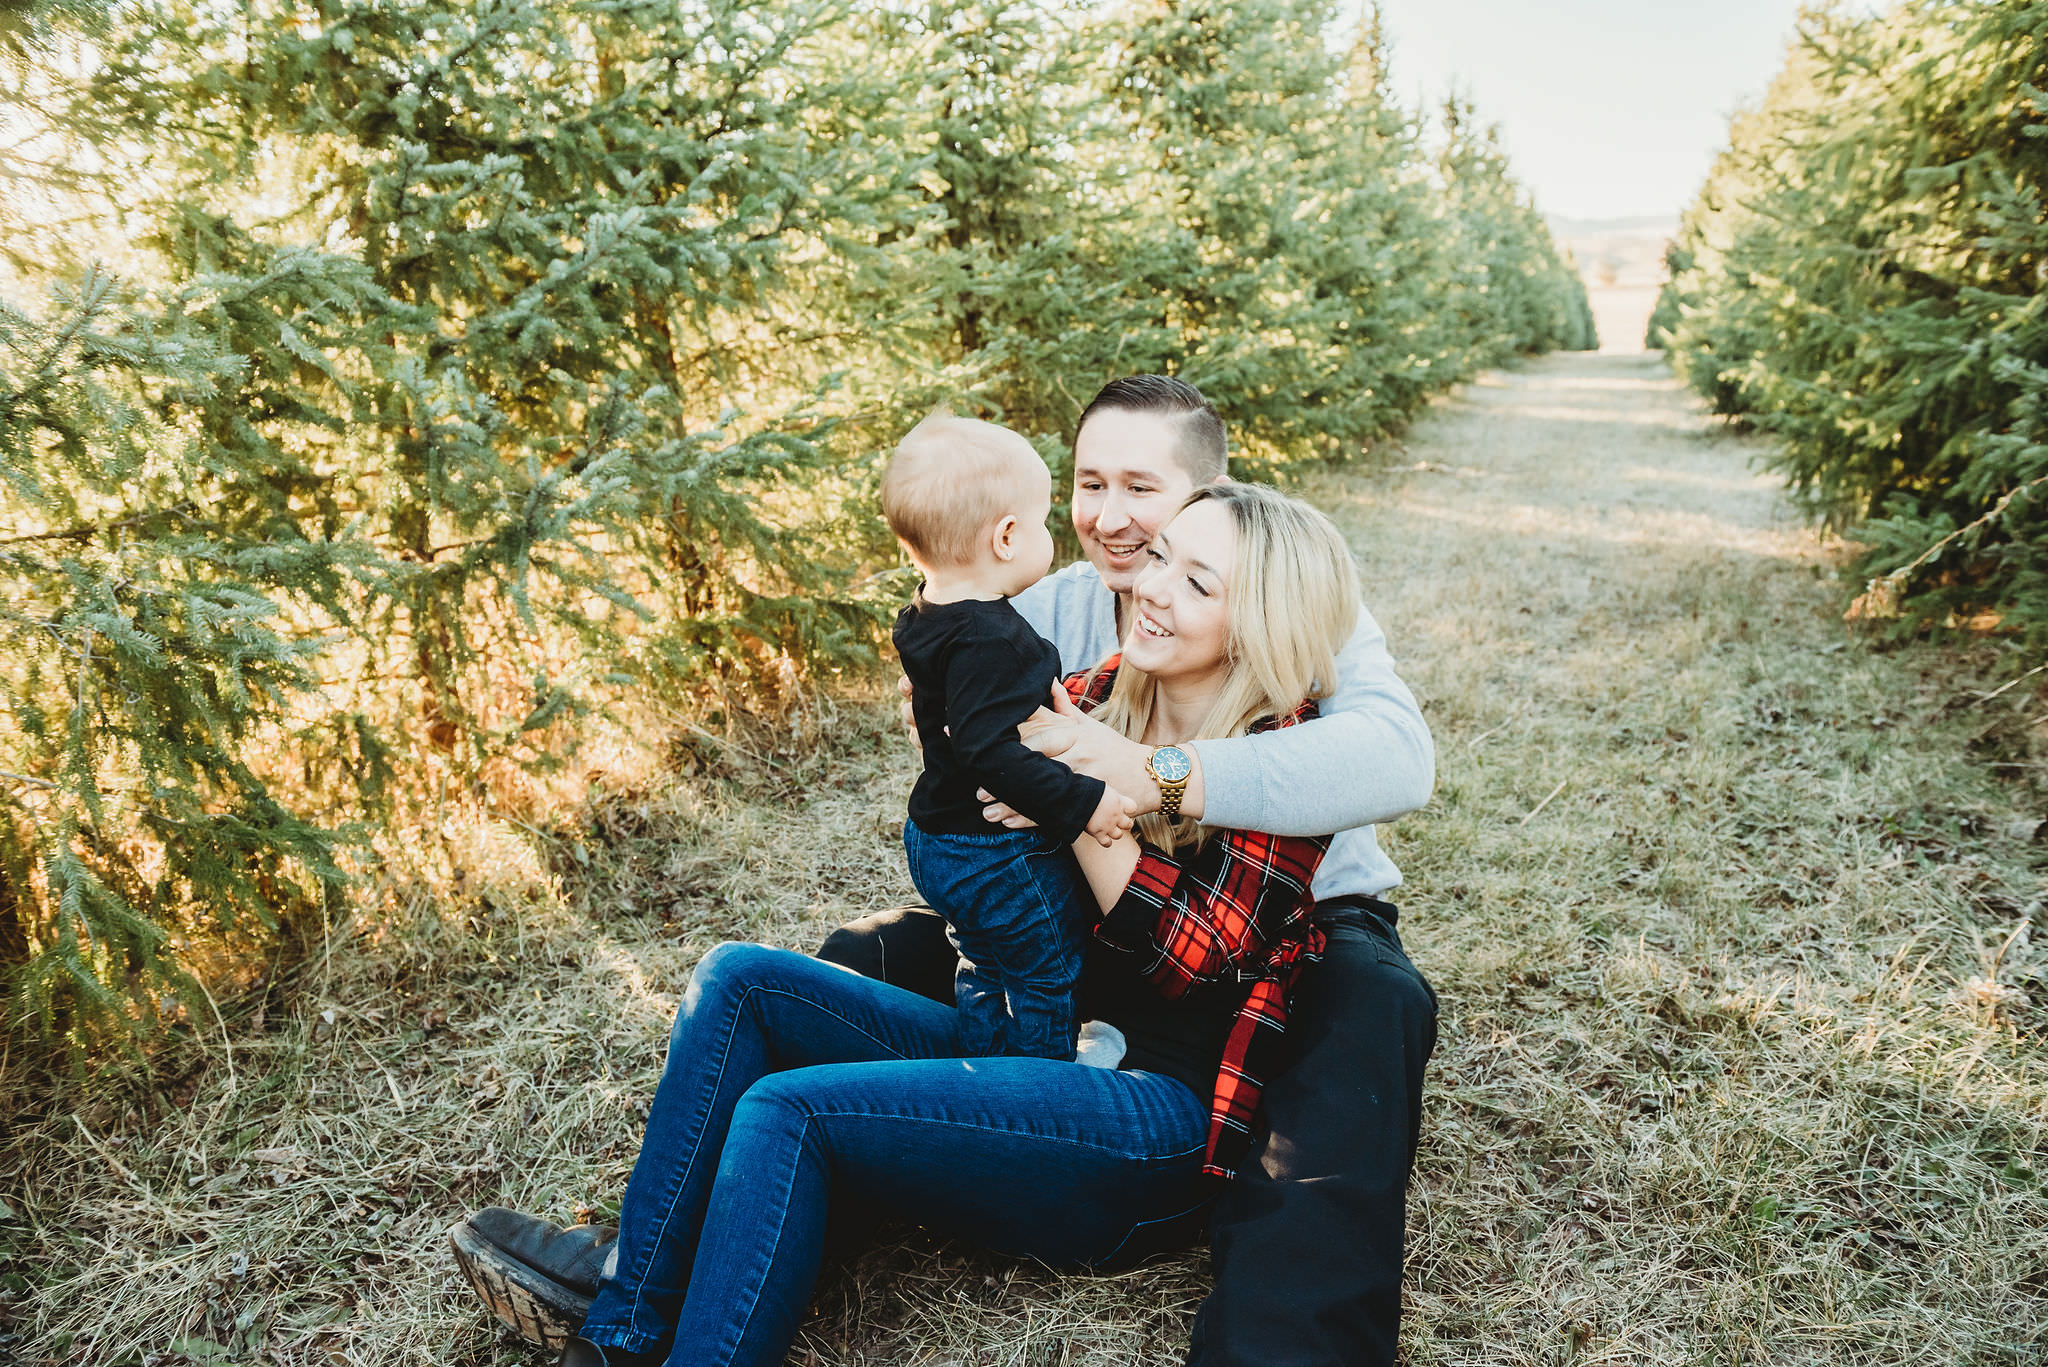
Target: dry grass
{"type": "Point", "coordinates": [1740, 1063]}
{"type": "Point", "coordinates": [1742, 1054]}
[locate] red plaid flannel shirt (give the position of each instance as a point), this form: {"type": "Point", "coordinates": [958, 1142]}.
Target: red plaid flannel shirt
{"type": "Point", "coordinates": [1235, 911]}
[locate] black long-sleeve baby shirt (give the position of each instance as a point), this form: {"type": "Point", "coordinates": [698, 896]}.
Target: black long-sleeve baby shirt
{"type": "Point", "coordinates": [977, 669]}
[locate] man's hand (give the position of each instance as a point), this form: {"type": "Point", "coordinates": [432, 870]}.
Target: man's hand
{"type": "Point", "coordinates": [1065, 733]}
{"type": "Point", "coordinates": [909, 717]}
{"type": "Point", "coordinates": [1112, 817]}
{"type": "Point", "coordinates": [1003, 814]}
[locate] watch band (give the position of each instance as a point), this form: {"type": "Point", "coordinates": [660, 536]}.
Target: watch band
{"type": "Point", "coordinates": [1171, 790]}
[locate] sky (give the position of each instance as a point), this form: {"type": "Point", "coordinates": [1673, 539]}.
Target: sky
{"type": "Point", "coordinates": [1608, 108]}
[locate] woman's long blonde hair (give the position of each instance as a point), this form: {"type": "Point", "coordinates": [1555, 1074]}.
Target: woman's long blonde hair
{"type": "Point", "coordinates": [1292, 603]}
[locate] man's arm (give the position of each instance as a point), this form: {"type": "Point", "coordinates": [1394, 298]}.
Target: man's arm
{"type": "Point", "coordinates": [1367, 758]}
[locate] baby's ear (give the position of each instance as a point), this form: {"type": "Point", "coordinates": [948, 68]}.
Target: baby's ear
{"type": "Point", "coordinates": [1003, 537]}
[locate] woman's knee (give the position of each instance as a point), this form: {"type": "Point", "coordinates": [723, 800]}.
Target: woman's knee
{"type": "Point", "coordinates": [724, 975]}
{"type": "Point", "coordinates": [774, 1117]}
{"type": "Point", "coordinates": [734, 959]}
{"type": "Point", "coordinates": [904, 947]}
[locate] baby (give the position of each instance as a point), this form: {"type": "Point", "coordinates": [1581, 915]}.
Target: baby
{"type": "Point", "coordinates": [969, 501]}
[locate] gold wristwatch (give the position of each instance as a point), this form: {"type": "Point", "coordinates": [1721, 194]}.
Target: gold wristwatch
{"type": "Point", "coordinates": [1170, 767]}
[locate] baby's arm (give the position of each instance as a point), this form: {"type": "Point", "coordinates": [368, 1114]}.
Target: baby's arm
{"type": "Point", "coordinates": [989, 690]}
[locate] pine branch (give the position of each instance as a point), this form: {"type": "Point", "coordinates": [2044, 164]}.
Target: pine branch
{"type": "Point", "coordinates": [86, 531]}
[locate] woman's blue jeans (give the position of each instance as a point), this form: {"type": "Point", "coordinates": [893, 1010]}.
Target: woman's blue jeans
{"type": "Point", "coordinates": [790, 1081]}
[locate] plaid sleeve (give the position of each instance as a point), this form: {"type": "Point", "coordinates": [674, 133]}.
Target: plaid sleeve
{"type": "Point", "coordinates": [1089, 688]}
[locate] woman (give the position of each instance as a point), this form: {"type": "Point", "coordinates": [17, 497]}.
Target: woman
{"type": "Point", "coordinates": [788, 1079]}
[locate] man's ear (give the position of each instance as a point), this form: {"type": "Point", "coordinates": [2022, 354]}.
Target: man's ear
{"type": "Point", "coordinates": [1003, 538]}
{"type": "Point", "coordinates": [1223, 478]}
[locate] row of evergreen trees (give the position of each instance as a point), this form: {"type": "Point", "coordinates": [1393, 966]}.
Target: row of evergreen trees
{"type": "Point", "coordinates": [466, 362]}
{"type": "Point", "coordinates": [1862, 277]}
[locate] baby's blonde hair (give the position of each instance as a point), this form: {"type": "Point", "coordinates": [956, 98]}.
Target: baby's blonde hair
{"type": "Point", "coordinates": [950, 479]}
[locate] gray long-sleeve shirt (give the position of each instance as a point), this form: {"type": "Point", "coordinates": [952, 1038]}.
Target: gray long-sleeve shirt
{"type": "Point", "coordinates": [1367, 758]}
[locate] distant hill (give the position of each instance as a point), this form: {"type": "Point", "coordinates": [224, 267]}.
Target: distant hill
{"type": "Point", "coordinates": [1564, 226]}
{"type": "Point", "coordinates": [1622, 263]}
{"type": "Point", "coordinates": [1611, 252]}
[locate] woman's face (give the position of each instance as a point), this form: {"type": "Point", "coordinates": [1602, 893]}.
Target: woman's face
{"type": "Point", "coordinates": [1180, 629]}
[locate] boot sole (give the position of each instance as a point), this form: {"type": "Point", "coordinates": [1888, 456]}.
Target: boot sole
{"type": "Point", "coordinates": [532, 1304]}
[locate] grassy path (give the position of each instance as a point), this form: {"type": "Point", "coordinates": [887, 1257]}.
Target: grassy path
{"type": "Point", "coordinates": [1723, 907]}
{"type": "Point", "coordinates": [1742, 1037]}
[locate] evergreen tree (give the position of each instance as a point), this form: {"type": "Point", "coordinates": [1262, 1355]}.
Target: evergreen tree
{"type": "Point", "coordinates": [142, 646]}
{"type": "Point", "coordinates": [1236, 103]}
{"type": "Point", "coordinates": [484, 358]}
{"type": "Point", "coordinates": [571, 321]}
{"type": "Point", "coordinates": [1512, 289]}
{"type": "Point", "coordinates": [35, 165]}
{"type": "Point", "coordinates": [482, 350]}
{"type": "Point", "coordinates": [1861, 278]}
{"type": "Point", "coordinates": [1305, 262]}
{"type": "Point", "coordinates": [1032, 297]}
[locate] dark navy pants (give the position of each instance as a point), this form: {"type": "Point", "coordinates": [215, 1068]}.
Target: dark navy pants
{"type": "Point", "coordinates": [1309, 1240]}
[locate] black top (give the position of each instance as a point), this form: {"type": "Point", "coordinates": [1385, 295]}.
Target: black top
{"type": "Point", "coordinates": [977, 668]}
{"type": "Point", "coordinates": [1183, 1039]}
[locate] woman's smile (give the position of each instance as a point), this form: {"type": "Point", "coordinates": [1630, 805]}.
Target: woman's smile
{"type": "Point", "coordinates": [1180, 623]}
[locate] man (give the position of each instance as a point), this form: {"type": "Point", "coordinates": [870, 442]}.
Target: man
{"type": "Point", "coordinates": [1308, 1241]}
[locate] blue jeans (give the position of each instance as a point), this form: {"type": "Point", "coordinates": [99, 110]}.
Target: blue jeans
{"type": "Point", "coordinates": [788, 1078]}
{"type": "Point", "coordinates": [1014, 906]}
{"type": "Point", "coordinates": [1307, 1242]}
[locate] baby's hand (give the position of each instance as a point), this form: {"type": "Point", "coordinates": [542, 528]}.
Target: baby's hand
{"type": "Point", "coordinates": [1112, 817]}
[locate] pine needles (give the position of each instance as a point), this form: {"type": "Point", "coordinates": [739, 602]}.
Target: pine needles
{"type": "Point", "coordinates": [1862, 277]}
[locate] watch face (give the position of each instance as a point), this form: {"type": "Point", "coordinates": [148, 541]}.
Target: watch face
{"type": "Point", "coordinates": [1170, 764]}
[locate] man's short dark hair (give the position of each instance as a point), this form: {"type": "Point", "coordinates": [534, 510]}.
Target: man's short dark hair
{"type": "Point", "coordinates": [1203, 450]}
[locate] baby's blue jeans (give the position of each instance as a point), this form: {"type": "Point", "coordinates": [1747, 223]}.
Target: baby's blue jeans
{"type": "Point", "coordinates": [1014, 907]}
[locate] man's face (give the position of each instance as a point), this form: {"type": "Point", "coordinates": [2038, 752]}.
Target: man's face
{"type": "Point", "coordinates": [1128, 481]}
